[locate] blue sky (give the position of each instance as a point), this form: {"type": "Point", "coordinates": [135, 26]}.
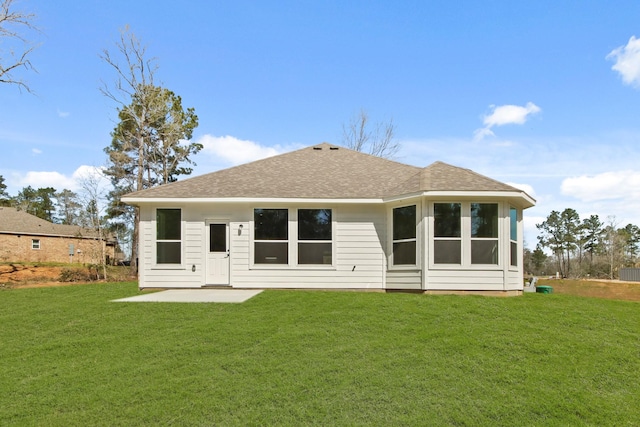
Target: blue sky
{"type": "Point", "coordinates": [541, 95]}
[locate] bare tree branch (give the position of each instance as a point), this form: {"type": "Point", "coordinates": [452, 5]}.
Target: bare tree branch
{"type": "Point", "coordinates": [357, 135]}
{"type": "Point", "coordinates": [11, 22]}
{"type": "Point", "coordinates": [135, 73]}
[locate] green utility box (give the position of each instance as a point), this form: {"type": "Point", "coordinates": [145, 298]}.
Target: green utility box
{"type": "Point", "coordinates": [544, 289]}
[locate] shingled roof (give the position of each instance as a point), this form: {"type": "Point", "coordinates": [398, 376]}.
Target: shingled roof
{"type": "Point", "coordinates": [324, 171]}
{"type": "Point", "coordinates": [13, 221]}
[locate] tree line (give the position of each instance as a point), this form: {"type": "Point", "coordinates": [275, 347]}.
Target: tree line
{"type": "Point", "coordinates": [587, 247]}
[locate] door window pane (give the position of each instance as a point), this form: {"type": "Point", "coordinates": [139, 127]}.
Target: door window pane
{"type": "Point", "coordinates": [217, 237]}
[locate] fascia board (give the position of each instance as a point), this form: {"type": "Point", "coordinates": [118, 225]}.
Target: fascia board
{"type": "Point", "coordinates": [136, 201]}
{"type": "Point", "coordinates": [524, 200]}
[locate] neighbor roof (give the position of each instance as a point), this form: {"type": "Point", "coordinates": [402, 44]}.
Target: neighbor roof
{"type": "Point", "coordinates": [324, 171]}
{"type": "Point", "coordinates": [13, 221]}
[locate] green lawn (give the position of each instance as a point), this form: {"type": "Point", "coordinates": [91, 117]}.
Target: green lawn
{"type": "Point", "coordinates": [69, 356]}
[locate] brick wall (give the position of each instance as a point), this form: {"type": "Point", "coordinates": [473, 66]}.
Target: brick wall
{"type": "Point", "coordinates": [52, 249]}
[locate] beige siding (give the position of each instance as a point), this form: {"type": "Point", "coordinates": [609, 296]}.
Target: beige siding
{"type": "Point", "coordinates": [515, 280]}
{"type": "Point", "coordinates": [359, 260]}
{"type": "Point", "coordinates": [358, 256]}
{"type": "Point", "coordinates": [360, 237]}
{"type": "Point", "coordinates": [469, 280]}
{"type": "Point", "coordinates": [404, 279]}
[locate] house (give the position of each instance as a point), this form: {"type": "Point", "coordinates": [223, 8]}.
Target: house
{"type": "Point", "coordinates": [329, 217]}
{"type": "Point", "coordinates": [27, 238]}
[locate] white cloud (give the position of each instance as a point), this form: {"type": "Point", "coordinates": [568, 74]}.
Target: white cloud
{"type": "Point", "coordinates": [604, 186]}
{"type": "Point", "coordinates": [505, 115]}
{"type": "Point", "coordinates": [85, 172]}
{"type": "Point", "coordinates": [42, 179]}
{"type": "Point", "coordinates": [627, 61]}
{"type": "Point", "coordinates": [59, 181]}
{"type": "Point", "coordinates": [63, 114]}
{"type": "Point", "coordinates": [36, 151]}
{"type": "Point", "coordinates": [524, 187]}
{"type": "Point", "coordinates": [510, 114]}
{"type": "Point", "coordinates": [233, 151]}
{"type": "Point", "coordinates": [480, 134]}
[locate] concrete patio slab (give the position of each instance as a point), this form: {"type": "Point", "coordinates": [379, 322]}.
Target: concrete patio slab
{"type": "Point", "coordinates": [195, 295]}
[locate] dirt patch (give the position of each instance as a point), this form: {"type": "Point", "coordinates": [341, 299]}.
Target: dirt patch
{"type": "Point", "coordinates": [17, 275]}
{"type": "Point", "coordinates": [13, 275]}
{"type": "Point", "coordinates": [608, 289]}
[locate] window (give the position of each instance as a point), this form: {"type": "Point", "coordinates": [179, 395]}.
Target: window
{"type": "Point", "coordinates": [513, 221]}
{"type": "Point", "coordinates": [35, 243]}
{"type": "Point", "coordinates": [314, 236]}
{"type": "Point", "coordinates": [484, 233]}
{"type": "Point", "coordinates": [168, 236]}
{"type": "Point", "coordinates": [447, 244]}
{"type": "Point", "coordinates": [404, 235]}
{"type": "Point", "coordinates": [466, 234]}
{"type": "Point", "coordinates": [271, 236]}
{"type": "Point", "coordinates": [217, 237]}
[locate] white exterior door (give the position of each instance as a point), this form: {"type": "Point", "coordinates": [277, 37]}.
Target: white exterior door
{"type": "Point", "coordinates": [217, 270]}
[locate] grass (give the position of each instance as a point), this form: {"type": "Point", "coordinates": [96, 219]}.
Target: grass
{"type": "Point", "coordinates": [629, 291]}
{"type": "Point", "coordinates": [71, 357]}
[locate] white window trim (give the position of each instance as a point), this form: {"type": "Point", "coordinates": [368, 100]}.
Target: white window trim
{"type": "Point", "coordinates": [432, 238]}
{"type": "Point", "coordinates": [465, 237]}
{"type": "Point", "coordinates": [253, 241]}
{"type": "Point", "coordinates": [390, 261]}
{"type": "Point", "coordinates": [154, 230]}
{"type": "Point", "coordinates": [292, 241]}
{"type": "Point", "coordinates": [517, 241]}
{"type": "Point", "coordinates": [332, 241]}
{"type": "Point", "coordinates": [33, 244]}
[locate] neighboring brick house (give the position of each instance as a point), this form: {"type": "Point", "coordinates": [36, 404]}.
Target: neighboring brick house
{"type": "Point", "coordinates": [25, 237]}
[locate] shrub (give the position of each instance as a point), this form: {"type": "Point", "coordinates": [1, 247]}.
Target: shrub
{"type": "Point", "coordinates": [74, 275]}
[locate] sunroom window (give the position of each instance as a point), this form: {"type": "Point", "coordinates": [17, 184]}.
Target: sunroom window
{"type": "Point", "coordinates": [484, 233]}
{"type": "Point", "coordinates": [168, 236]}
{"type": "Point", "coordinates": [314, 236]}
{"type": "Point", "coordinates": [271, 236]}
{"type": "Point", "coordinates": [404, 235]}
{"type": "Point", "coordinates": [447, 243]}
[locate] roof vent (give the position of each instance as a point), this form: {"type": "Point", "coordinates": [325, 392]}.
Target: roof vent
{"type": "Point", "coordinates": [317, 148]}
{"type": "Point", "coordinates": [333, 148]}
